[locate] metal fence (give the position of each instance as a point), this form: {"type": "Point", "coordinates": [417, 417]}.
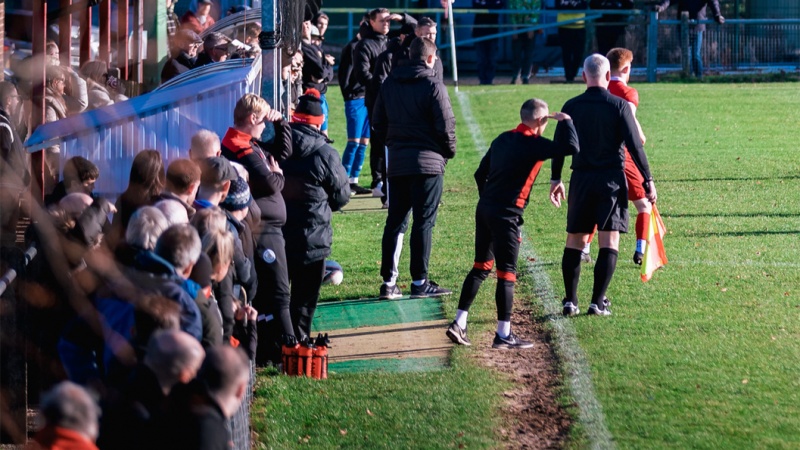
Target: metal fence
{"type": "Point", "coordinates": [163, 120]}
{"type": "Point", "coordinates": [739, 44]}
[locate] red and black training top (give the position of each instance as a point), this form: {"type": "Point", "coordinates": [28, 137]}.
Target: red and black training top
{"type": "Point", "coordinates": [265, 186]}
{"type": "Point", "coordinates": [508, 170]}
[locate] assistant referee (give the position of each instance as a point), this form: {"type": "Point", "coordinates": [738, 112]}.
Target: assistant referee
{"type": "Point", "coordinates": [598, 191]}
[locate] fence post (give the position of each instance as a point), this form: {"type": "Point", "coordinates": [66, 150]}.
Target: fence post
{"type": "Point", "coordinates": [350, 26]}
{"type": "Point", "coordinates": [686, 45]}
{"type": "Point", "coordinates": [652, 47]}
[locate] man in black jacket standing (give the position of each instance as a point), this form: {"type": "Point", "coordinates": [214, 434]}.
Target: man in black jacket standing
{"type": "Point", "coordinates": [697, 11]}
{"type": "Point", "coordinates": [365, 53]}
{"type": "Point", "coordinates": [414, 117]}
{"type": "Point", "coordinates": [316, 185]}
{"type": "Point", "coordinates": [598, 190]}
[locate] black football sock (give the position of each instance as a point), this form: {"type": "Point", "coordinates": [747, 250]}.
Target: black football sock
{"type": "Point", "coordinates": [603, 272]}
{"type": "Point", "coordinates": [571, 269]}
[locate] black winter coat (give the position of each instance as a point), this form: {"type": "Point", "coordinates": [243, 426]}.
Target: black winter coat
{"type": "Point", "coordinates": [317, 73]}
{"type": "Point", "coordinates": [414, 117]}
{"type": "Point", "coordinates": [350, 87]}
{"type": "Point", "coordinates": [365, 54]}
{"type": "Point", "coordinates": [395, 52]}
{"type": "Point", "coordinates": [316, 184]}
{"type": "Point", "coordinates": [176, 66]}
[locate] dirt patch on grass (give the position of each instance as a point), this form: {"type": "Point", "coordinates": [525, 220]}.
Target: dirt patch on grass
{"type": "Point", "coordinates": [535, 418]}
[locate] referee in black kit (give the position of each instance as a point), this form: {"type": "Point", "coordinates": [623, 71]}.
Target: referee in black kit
{"type": "Point", "coordinates": [598, 189]}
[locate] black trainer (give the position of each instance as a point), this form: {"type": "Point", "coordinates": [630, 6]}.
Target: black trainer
{"type": "Point", "coordinates": [390, 292]}
{"type": "Point", "coordinates": [457, 334]}
{"type": "Point", "coordinates": [600, 310]}
{"type": "Point", "coordinates": [511, 342]}
{"type": "Point", "coordinates": [638, 257]}
{"type": "Point", "coordinates": [570, 309]}
{"type": "Point", "coordinates": [428, 289]}
{"type": "Point", "coordinates": [355, 189]}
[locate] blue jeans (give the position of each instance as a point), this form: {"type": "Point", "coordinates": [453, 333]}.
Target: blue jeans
{"type": "Point", "coordinates": [324, 126]}
{"type": "Point", "coordinates": [696, 46]}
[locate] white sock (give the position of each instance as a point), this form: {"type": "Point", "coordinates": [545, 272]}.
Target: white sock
{"type": "Point", "coordinates": [587, 248]}
{"type": "Point", "coordinates": [389, 283]}
{"type": "Point", "coordinates": [641, 245]}
{"type": "Point", "coordinates": [418, 282]}
{"type": "Point", "coordinates": [352, 181]}
{"type": "Point", "coordinates": [503, 328]}
{"type": "Point", "coordinates": [461, 318]}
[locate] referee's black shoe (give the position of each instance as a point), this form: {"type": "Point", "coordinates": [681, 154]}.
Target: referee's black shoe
{"type": "Point", "coordinates": [428, 289]}
{"type": "Point", "coordinates": [512, 341]}
{"type": "Point", "coordinates": [570, 309]}
{"type": "Point", "coordinates": [600, 310]}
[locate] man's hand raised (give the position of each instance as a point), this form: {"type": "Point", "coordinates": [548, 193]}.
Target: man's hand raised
{"type": "Point", "coordinates": [559, 116]}
{"type": "Point", "coordinates": [273, 115]}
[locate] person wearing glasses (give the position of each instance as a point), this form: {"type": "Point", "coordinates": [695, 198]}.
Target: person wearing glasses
{"type": "Point", "coordinates": [215, 49]}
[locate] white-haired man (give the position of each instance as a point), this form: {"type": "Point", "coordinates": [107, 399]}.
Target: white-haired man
{"type": "Point", "coordinates": [598, 192]}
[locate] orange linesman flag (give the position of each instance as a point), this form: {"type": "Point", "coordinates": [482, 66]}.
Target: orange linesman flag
{"type": "Point", "coordinates": [654, 254]}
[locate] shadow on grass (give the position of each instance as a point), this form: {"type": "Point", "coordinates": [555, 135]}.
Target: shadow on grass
{"type": "Point", "coordinates": [690, 180]}
{"type": "Point", "coordinates": [743, 233]}
{"type": "Point", "coordinates": [715, 214]}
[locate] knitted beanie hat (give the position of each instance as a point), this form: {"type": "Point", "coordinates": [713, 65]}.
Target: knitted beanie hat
{"type": "Point", "coordinates": [238, 196]}
{"type": "Point", "coordinates": [309, 110]}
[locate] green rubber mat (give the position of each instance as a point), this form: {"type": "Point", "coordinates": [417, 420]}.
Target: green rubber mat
{"type": "Point", "coordinates": [375, 313]}
{"type": "Point", "coordinates": [395, 365]}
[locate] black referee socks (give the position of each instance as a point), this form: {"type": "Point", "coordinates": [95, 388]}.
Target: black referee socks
{"type": "Point", "coordinates": [603, 272]}
{"type": "Point", "coordinates": [571, 270]}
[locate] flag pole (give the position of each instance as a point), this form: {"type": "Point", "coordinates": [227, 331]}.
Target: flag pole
{"type": "Point", "coordinates": [452, 33]}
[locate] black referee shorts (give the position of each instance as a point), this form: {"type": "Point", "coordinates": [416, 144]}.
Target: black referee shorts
{"type": "Point", "coordinates": [597, 198]}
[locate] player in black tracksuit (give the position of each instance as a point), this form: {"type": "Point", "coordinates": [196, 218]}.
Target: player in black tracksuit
{"type": "Point", "coordinates": [504, 178]}
{"type": "Point", "coordinates": [266, 182]}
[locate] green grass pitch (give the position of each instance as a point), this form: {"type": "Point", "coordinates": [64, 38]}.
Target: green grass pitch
{"type": "Point", "coordinates": [705, 355]}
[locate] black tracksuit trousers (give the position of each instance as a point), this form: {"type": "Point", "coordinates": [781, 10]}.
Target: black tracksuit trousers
{"type": "Point", "coordinates": [421, 195]}
{"type": "Point", "coordinates": [272, 296]}
{"type": "Point", "coordinates": [497, 238]}
{"type": "Point", "coordinates": [306, 280]}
